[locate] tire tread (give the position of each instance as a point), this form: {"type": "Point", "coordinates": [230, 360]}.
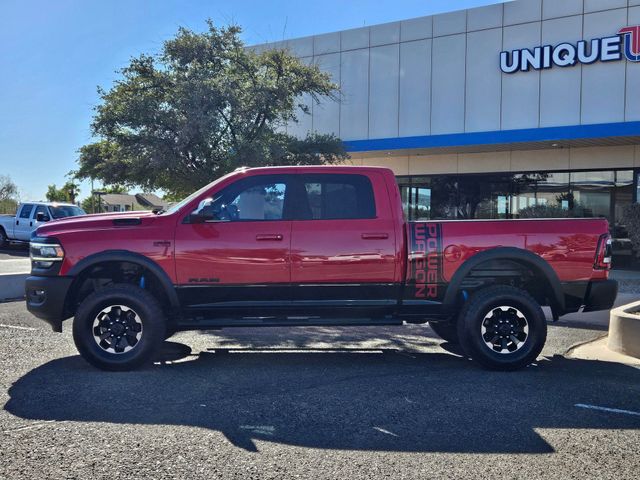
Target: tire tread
{"type": "Point", "coordinates": [474, 307]}
{"type": "Point", "coordinates": [155, 334]}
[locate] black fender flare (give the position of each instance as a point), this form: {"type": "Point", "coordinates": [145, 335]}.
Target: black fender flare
{"type": "Point", "coordinates": [515, 254]}
{"type": "Point", "coordinates": [132, 257]}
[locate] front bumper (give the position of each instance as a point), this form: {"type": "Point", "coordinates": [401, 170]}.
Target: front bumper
{"type": "Point", "coordinates": [601, 295]}
{"type": "Point", "coordinates": [46, 299]}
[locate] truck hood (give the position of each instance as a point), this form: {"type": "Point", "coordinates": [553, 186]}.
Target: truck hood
{"type": "Point", "coordinates": [95, 221]}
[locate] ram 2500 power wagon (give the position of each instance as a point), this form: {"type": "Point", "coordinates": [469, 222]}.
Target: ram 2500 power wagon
{"type": "Point", "coordinates": [291, 246]}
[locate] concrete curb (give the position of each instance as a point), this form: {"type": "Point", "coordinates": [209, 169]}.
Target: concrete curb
{"type": "Point", "coordinates": [570, 351]}
{"type": "Point", "coordinates": [597, 350]}
{"type": "Point", "coordinates": [624, 330]}
{"type": "Point", "coordinates": [12, 286]}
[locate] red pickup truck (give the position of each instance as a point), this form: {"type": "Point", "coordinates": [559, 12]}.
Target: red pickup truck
{"type": "Point", "coordinates": [291, 246]}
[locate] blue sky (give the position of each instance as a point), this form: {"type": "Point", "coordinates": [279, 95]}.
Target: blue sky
{"type": "Point", "coordinates": [54, 54]}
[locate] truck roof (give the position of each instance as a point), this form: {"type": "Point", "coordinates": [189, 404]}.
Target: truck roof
{"type": "Point", "coordinates": [344, 168]}
{"type": "Point", "coordinates": [50, 204]}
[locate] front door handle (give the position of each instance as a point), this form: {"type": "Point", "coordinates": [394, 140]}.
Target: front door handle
{"type": "Point", "coordinates": [269, 237]}
{"type": "Point", "coordinates": [17, 222]}
{"type": "Point", "coordinates": [375, 236]}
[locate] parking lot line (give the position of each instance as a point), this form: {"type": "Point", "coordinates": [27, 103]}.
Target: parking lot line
{"type": "Point", "coordinates": [17, 327]}
{"type": "Point", "coordinates": [607, 409]}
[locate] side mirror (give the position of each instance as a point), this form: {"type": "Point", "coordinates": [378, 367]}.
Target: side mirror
{"type": "Point", "coordinates": [42, 217]}
{"type": "Point", "coordinates": [210, 210]}
{"type": "Point", "coordinates": [203, 212]}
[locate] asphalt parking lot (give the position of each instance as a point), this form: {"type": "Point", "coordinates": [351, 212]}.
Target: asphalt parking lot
{"type": "Point", "coordinates": [14, 259]}
{"type": "Point", "coordinates": [312, 403]}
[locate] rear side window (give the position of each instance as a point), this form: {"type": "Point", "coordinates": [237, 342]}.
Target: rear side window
{"type": "Point", "coordinates": [26, 210]}
{"type": "Point", "coordinates": [336, 197]}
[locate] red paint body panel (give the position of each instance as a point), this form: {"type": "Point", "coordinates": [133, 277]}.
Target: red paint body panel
{"type": "Point", "coordinates": [87, 235]}
{"type": "Point", "coordinates": [348, 251]}
{"type": "Point", "coordinates": [231, 253]}
{"type": "Point", "coordinates": [569, 246]}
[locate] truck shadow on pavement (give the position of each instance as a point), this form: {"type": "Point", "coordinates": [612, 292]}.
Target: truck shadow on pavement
{"type": "Point", "coordinates": [364, 399]}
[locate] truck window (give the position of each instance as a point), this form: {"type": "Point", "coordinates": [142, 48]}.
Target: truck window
{"type": "Point", "coordinates": [337, 197]}
{"type": "Point", "coordinates": [261, 202]}
{"type": "Point", "coordinates": [63, 211]}
{"type": "Point", "coordinates": [40, 209]}
{"type": "Point", "coordinates": [253, 199]}
{"type": "Point", "coordinates": [26, 210]}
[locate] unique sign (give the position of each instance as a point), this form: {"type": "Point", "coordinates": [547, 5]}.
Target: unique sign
{"type": "Point", "coordinates": [609, 49]}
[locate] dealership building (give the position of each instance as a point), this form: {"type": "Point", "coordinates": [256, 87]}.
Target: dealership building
{"type": "Point", "coordinates": [511, 110]}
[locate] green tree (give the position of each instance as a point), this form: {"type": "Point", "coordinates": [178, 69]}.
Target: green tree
{"type": "Point", "coordinates": [71, 191]}
{"type": "Point", "coordinates": [89, 204]}
{"type": "Point", "coordinates": [68, 192]}
{"type": "Point", "coordinates": [55, 194]}
{"type": "Point", "coordinates": [204, 106]}
{"type": "Point", "coordinates": [8, 195]}
{"type": "Point", "coordinates": [8, 189]}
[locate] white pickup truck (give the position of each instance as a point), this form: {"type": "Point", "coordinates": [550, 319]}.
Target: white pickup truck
{"type": "Point", "coordinates": [29, 216]}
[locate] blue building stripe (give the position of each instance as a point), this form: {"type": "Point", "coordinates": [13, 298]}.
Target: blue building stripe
{"type": "Point", "coordinates": [548, 134]}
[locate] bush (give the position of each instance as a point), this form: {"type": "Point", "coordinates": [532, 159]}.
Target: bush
{"type": "Point", "coordinates": [8, 207]}
{"type": "Point", "coordinates": [544, 211]}
{"type": "Point", "coordinates": [631, 220]}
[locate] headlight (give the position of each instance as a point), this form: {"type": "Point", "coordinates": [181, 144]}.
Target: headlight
{"type": "Point", "coordinates": [43, 255]}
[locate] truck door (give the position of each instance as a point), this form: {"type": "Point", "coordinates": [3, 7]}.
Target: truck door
{"type": "Point", "coordinates": [239, 256]}
{"type": "Point", "coordinates": [24, 223]}
{"type": "Point", "coordinates": [343, 248]}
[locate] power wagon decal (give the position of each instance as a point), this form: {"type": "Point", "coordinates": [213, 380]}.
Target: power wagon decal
{"type": "Point", "coordinates": [425, 280]}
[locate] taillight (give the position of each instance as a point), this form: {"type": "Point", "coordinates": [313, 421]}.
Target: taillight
{"type": "Point", "coordinates": [603, 254]}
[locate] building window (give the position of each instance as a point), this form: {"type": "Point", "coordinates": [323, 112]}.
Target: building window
{"type": "Point", "coordinates": [521, 195]}
{"type": "Point", "coordinates": [416, 200]}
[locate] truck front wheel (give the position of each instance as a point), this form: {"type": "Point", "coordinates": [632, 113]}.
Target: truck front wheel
{"type": "Point", "coordinates": [502, 328]}
{"type": "Point", "coordinates": [119, 327]}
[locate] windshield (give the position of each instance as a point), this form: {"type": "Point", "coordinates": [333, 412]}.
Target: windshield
{"type": "Point", "coordinates": [194, 195]}
{"type": "Point", "coordinates": [63, 211]}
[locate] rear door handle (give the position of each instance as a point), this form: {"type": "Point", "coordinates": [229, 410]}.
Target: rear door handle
{"type": "Point", "coordinates": [375, 236]}
{"type": "Point", "coordinates": [269, 237]}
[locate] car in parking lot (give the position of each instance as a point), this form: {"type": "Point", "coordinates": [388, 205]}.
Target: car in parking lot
{"type": "Point", "coordinates": [29, 216]}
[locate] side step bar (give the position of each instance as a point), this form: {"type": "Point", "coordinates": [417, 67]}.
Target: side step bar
{"type": "Point", "coordinates": [205, 323]}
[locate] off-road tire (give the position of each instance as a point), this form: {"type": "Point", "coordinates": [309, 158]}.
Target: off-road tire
{"type": "Point", "coordinates": [479, 310]}
{"type": "Point", "coordinates": [148, 313]}
{"type": "Point", "coordinates": [3, 238]}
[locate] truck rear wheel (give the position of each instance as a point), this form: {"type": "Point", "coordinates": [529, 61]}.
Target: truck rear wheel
{"type": "Point", "coordinates": [119, 327]}
{"type": "Point", "coordinates": [3, 238]}
{"type": "Point", "coordinates": [502, 328]}
{"type": "Point", "coordinates": [447, 331]}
